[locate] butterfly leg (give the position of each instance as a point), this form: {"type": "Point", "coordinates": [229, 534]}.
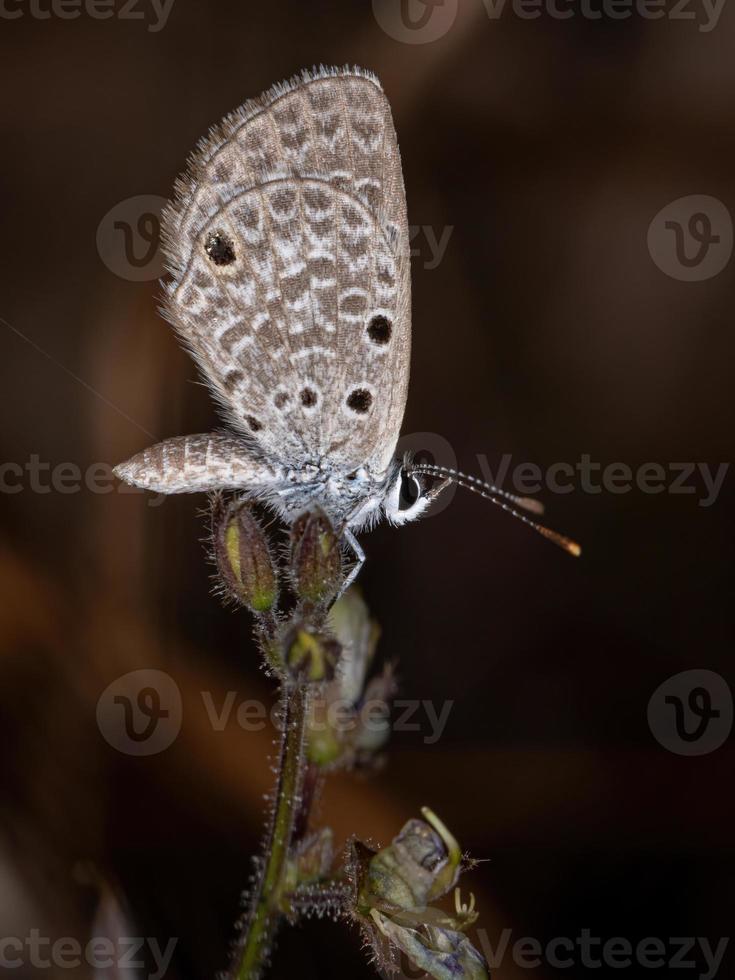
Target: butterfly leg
{"type": "Point", "coordinates": [360, 561]}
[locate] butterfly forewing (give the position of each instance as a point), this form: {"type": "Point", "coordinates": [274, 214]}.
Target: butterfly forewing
{"type": "Point", "coordinates": [288, 249]}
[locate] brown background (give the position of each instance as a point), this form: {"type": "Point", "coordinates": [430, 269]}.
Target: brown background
{"type": "Point", "coordinates": [546, 331]}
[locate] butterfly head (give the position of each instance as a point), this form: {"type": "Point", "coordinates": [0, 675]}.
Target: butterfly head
{"type": "Point", "coordinates": [406, 496]}
{"type": "Point", "coordinates": [399, 495]}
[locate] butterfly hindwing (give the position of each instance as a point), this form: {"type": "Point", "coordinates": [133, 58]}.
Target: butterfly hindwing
{"type": "Point", "coordinates": [288, 248]}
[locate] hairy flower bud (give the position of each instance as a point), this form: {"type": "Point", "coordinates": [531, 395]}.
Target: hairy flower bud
{"type": "Point", "coordinates": [316, 558]}
{"type": "Point", "coordinates": [244, 561]}
{"type": "Point", "coordinates": [421, 863]}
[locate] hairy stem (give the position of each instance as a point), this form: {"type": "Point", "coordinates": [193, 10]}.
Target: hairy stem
{"type": "Point", "coordinates": [265, 915]}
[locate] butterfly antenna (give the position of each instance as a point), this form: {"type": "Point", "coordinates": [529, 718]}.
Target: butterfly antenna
{"type": "Point", "coordinates": [498, 497]}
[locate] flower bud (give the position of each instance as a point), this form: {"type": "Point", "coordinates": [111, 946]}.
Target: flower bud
{"type": "Point", "coordinates": [316, 558]}
{"type": "Point", "coordinates": [244, 561]}
{"type": "Point", "coordinates": [420, 864]}
{"type": "Point", "coordinates": [349, 620]}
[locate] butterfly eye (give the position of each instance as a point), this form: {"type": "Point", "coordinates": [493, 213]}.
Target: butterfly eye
{"type": "Point", "coordinates": [410, 491]}
{"type": "Point", "coordinates": [219, 248]}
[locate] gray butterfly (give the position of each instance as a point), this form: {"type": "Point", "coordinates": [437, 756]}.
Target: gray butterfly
{"type": "Point", "coordinates": [287, 246]}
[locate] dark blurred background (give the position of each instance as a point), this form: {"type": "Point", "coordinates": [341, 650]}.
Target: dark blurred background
{"type": "Point", "coordinates": [554, 324]}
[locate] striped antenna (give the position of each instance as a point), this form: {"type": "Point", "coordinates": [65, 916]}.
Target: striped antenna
{"type": "Point", "coordinates": [497, 497]}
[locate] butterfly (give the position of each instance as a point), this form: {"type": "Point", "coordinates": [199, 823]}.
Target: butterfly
{"type": "Point", "coordinates": [287, 249]}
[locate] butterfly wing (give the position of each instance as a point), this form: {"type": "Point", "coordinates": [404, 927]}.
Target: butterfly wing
{"type": "Point", "coordinates": [288, 248]}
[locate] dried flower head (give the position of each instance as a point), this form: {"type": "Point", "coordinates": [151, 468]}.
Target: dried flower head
{"type": "Point", "coordinates": [392, 889]}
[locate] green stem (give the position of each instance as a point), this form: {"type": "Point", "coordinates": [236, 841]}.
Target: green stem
{"type": "Point", "coordinates": [265, 915]}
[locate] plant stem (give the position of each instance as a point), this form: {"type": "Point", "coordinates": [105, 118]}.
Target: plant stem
{"type": "Point", "coordinates": [265, 915]}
